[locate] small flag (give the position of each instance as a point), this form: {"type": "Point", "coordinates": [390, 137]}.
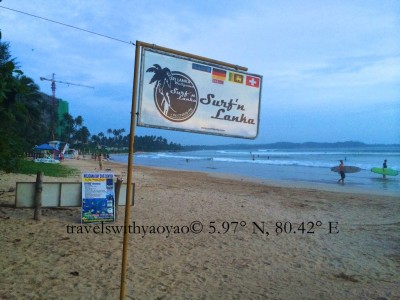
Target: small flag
{"type": "Point", "coordinates": [201, 68]}
{"type": "Point", "coordinates": [253, 81]}
{"type": "Point", "coordinates": [218, 74]}
{"type": "Point", "coordinates": [235, 77]}
{"type": "Point", "coordinates": [218, 81]}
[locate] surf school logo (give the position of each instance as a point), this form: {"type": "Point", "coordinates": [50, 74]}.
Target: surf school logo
{"type": "Point", "coordinates": [175, 94]}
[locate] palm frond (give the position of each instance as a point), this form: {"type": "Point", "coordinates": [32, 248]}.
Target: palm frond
{"type": "Point", "coordinates": [154, 69]}
{"type": "Point", "coordinates": [158, 75]}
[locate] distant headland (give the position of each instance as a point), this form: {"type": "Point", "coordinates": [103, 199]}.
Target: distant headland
{"type": "Point", "coordinates": [305, 145]}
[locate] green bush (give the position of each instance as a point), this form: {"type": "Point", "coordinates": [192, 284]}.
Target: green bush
{"type": "Point", "coordinates": [53, 170]}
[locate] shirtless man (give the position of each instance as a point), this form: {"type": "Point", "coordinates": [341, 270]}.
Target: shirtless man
{"type": "Point", "coordinates": [341, 171]}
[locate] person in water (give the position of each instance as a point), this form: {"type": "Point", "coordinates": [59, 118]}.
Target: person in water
{"type": "Point", "coordinates": [384, 166]}
{"type": "Point", "coordinates": [341, 172]}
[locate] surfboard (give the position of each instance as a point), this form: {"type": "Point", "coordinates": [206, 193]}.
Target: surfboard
{"type": "Point", "coordinates": [347, 169]}
{"type": "Point", "coordinates": [386, 171]}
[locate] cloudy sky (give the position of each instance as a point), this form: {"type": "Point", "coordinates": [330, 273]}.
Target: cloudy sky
{"type": "Point", "coordinates": [331, 69]}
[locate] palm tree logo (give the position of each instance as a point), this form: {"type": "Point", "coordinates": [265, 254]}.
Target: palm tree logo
{"type": "Point", "coordinates": [162, 77]}
{"type": "Point", "coordinates": [175, 94]}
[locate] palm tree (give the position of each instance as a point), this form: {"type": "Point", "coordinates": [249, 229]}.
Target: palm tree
{"type": "Point", "coordinates": [78, 121]}
{"type": "Point", "coordinates": [102, 138]}
{"type": "Point", "coordinates": [82, 135]}
{"type": "Point", "coordinates": [20, 118]}
{"type": "Point", "coordinates": [71, 126]}
{"type": "Point", "coordinates": [68, 129]}
{"type": "Point", "coordinates": [162, 77]}
{"type": "Point", "coordinates": [27, 113]}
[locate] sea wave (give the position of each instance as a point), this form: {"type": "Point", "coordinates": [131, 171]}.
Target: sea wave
{"type": "Point", "coordinates": [278, 159]}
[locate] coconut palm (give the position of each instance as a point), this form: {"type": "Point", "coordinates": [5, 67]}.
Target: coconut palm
{"type": "Point", "coordinates": [162, 77]}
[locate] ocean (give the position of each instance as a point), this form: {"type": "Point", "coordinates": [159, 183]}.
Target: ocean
{"type": "Point", "coordinates": [301, 167]}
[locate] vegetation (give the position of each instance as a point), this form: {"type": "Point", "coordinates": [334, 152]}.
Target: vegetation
{"type": "Point", "coordinates": [54, 170]}
{"type": "Point", "coordinates": [73, 131]}
{"type": "Point", "coordinates": [120, 143]}
{"type": "Point", "coordinates": [23, 124]}
{"type": "Point", "coordinates": [153, 143]}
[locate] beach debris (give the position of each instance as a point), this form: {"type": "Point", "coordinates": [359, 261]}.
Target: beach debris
{"type": "Point", "coordinates": [344, 276]}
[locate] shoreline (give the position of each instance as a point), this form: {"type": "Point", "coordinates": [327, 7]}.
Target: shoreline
{"type": "Point", "coordinates": [277, 174]}
{"type": "Point", "coordinates": [298, 184]}
{"type": "Point", "coordinates": [351, 254]}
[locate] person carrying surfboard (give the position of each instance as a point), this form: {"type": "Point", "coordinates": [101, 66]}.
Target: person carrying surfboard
{"type": "Point", "coordinates": [341, 171]}
{"type": "Point", "coordinates": [384, 166]}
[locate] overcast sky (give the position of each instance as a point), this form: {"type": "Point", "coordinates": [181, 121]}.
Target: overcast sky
{"type": "Point", "coordinates": [331, 69]}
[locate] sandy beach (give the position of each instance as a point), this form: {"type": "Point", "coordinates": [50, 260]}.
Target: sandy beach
{"type": "Point", "coordinates": [336, 245]}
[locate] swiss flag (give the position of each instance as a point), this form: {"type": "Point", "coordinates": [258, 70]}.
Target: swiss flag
{"type": "Point", "coordinates": [253, 81]}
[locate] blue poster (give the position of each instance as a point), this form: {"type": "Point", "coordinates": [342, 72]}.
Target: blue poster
{"type": "Point", "coordinates": [98, 204]}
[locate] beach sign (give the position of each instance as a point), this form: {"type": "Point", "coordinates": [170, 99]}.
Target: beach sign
{"type": "Point", "coordinates": [98, 204]}
{"type": "Point", "coordinates": [179, 92]}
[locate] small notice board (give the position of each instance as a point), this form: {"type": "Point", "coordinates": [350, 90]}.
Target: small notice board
{"type": "Point", "coordinates": [98, 197]}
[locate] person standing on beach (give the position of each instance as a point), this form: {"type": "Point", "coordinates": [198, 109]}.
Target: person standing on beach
{"type": "Point", "coordinates": [341, 171]}
{"type": "Point", "coordinates": [100, 162]}
{"type": "Point", "coordinates": [384, 166]}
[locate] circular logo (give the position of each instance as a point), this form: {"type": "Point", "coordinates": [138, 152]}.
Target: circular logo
{"type": "Point", "coordinates": [175, 94]}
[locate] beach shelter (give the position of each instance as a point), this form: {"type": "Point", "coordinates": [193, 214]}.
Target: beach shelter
{"type": "Point", "coordinates": [46, 148]}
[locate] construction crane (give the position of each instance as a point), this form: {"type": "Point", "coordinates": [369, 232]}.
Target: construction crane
{"type": "Point", "coordinates": [53, 84]}
{"type": "Point", "coordinates": [55, 103]}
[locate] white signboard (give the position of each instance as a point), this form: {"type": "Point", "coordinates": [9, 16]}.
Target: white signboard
{"type": "Point", "coordinates": [180, 93]}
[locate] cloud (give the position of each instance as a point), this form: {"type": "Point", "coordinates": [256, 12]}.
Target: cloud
{"type": "Point", "coordinates": [314, 56]}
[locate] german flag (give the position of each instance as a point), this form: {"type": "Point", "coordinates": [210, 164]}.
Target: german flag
{"type": "Point", "coordinates": [218, 74]}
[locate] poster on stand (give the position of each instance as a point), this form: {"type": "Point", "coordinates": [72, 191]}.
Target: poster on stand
{"type": "Point", "coordinates": [98, 204]}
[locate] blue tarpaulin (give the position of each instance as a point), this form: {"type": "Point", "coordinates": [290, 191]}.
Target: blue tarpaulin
{"type": "Point", "coordinates": [44, 147]}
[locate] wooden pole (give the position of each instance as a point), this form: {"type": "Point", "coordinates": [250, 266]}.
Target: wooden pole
{"type": "Point", "coordinates": [139, 45]}
{"type": "Point", "coordinates": [118, 185]}
{"type": "Point", "coordinates": [130, 172]}
{"type": "Point", "coordinates": [38, 196]}
{"type": "Point", "coordinates": [133, 195]}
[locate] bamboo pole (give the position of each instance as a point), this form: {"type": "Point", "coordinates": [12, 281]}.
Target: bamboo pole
{"type": "Point", "coordinates": [130, 172]}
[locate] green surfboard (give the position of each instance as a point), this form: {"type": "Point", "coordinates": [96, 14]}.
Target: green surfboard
{"type": "Point", "coordinates": [386, 171]}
